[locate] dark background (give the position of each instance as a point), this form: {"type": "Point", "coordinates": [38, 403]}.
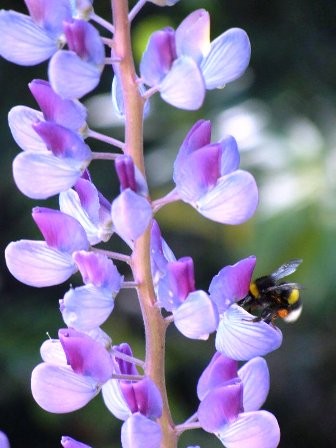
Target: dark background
{"type": "Point", "coordinates": [283, 114]}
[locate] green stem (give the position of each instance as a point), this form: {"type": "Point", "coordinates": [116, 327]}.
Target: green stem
{"type": "Point", "coordinates": [155, 326]}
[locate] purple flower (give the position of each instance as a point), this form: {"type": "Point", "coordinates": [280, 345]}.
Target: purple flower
{"type": "Point", "coordinates": [44, 172]}
{"type": "Point", "coordinates": [131, 211]}
{"type": "Point", "coordinates": [61, 387]}
{"type": "Point", "coordinates": [49, 262]}
{"type": "Point", "coordinates": [29, 40]}
{"type": "Point", "coordinates": [91, 209]}
{"type": "Point", "coordinates": [238, 336]}
{"type": "Point", "coordinates": [195, 314]}
{"type": "Point", "coordinates": [75, 72]}
{"type": "Point", "coordinates": [69, 442]}
{"type": "Point", "coordinates": [87, 307]}
{"type": "Point", "coordinates": [68, 113]}
{"type": "Point", "coordinates": [182, 64]}
{"type": "Point", "coordinates": [207, 176]}
{"type": "Point", "coordinates": [230, 402]}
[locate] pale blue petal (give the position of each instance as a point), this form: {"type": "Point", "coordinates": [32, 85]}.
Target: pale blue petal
{"type": "Point", "coordinates": [197, 317]}
{"type": "Point", "coordinates": [139, 431]}
{"type": "Point", "coordinates": [86, 307]}
{"type": "Point", "coordinates": [232, 201]}
{"type": "Point", "coordinates": [258, 429]}
{"type": "Point", "coordinates": [230, 155]}
{"type": "Point", "coordinates": [70, 76]}
{"type": "Point", "coordinates": [59, 389]}
{"type": "Point", "coordinates": [183, 87]}
{"type": "Point", "coordinates": [36, 264]}
{"type": "Point", "coordinates": [238, 337]}
{"type": "Point", "coordinates": [40, 175]}
{"type": "Point", "coordinates": [255, 372]}
{"type": "Point", "coordinates": [20, 120]}
{"type": "Point", "coordinates": [114, 400]}
{"type": "Point", "coordinates": [131, 214]}
{"type": "Point", "coordinates": [228, 58]}
{"type": "Point", "coordinates": [22, 41]}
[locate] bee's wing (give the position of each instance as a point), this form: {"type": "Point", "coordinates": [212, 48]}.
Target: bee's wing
{"type": "Point", "coordinates": [286, 269]}
{"type": "Point", "coordinates": [284, 286]}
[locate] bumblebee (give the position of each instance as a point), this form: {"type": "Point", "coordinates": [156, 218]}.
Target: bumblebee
{"type": "Point", "coordinates": [268, 298]}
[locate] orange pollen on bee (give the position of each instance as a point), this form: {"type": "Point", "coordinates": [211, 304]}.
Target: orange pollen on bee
{"type": "Point", "coordinates": [282, 313]}
{"type": "Point", "coordinates": [293, 296]}
{"type": "Point", "coordinates": [254, 290]}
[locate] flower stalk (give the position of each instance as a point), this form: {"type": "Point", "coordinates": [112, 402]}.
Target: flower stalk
{"type": "Point", "coordinates": [155, 326]}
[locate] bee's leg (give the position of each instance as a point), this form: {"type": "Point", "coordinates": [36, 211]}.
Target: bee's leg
{"type": "Point", "coordinates": [268, 315]}
{"type": "Point", "coordinates": [246, 301]}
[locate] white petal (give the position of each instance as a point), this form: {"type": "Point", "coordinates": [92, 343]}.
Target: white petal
{"type": "Point", "coordinates": [139, 431]}
{"type": "Point", "coordinates": [197, 317]}
{"type": "Point", "coordinates": [52, 352]}
{"type": "Point", "coordinates": [252, 430]}
{"type": "Point", "coordinates": [114, 400]}
{"type": "Point", "coordinates": [232, 201]}
{"type": "Point", "coordinates": [59, 389]}
{"type": "Point", "coordinates": [239, 338]}
{"type": "Point", "coordinates": [256, 381]}
{"type": "Point", "coordinates": [86, 307]}
{"type": "Point", "coordinates": [183, 87]}
{"type": "Point", "coordinates": [36, 264]}
{"type": "Point", "coordinates": [72, 77]}
{"type": "Point", "coordinates": [22, 41]}
{"type": "Point", "coordinates": [42, 175]}
{"type": "Point", "coordinates": [228, 58]}
{"type": "Point", "coordinates": [20, 120]}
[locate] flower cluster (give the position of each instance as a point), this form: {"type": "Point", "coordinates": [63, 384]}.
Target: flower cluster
{"type": "Point", "coordinates": [181, 65]}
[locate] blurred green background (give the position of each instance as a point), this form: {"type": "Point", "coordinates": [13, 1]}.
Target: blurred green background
{"type": "Point", "coordinates": [283, 114]}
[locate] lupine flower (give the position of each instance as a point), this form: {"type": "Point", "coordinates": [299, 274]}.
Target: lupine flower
{"type": "Point", "coordinates": [68, 442]}
{"type": "Point", "coordinates": [138, 403]}
{"type": "Point", "coordinates": [68, 113]}
{"type": "Point", "coordinates": [230, 402]}
{"type": "Point", "coordinates": [182, 64]}
{"type": "Point", "coordinates": [43, 172]}
{"type": "Point", "coordinates": [238, 336]}
{"type": "Point", "coordinates": [195, 315]}
{"type": "Point", "coordinates": [144, 401]}
{"type": "Point", "coordinates": [49, 262]}
{"type": "Point", "coordinates": [207, 176]}
{"type": "Point", "coordinates": [91, 209]}
{"type": "Point", "coordinates": [131, 211]}
{"type": "Point", "coordinates": [87, 307]}
{"type": "Point", "coordinates": [75, 72]}
{"type": "Point", "coordinates": [60, 386]}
